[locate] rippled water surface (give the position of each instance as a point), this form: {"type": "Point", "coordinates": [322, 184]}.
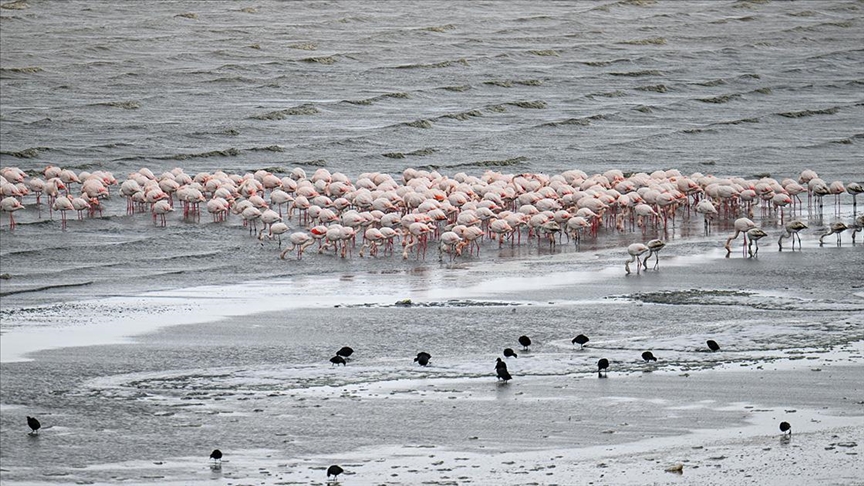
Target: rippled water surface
{"type": "Point", "coordinates": [231, 344]}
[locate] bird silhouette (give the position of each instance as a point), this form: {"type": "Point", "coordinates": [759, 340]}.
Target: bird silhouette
{"type": "Point", "coordinates": [509, 353]}
{"type": "Point", "coordinates": [33, 424]}
{"type": "Point", "coordinates": [786, 428]}
{"type": "Point", "coordinates": [423, 358]}
{"type": "Point", "coordinates": [580, 340]}
{"type": "Point", "coordinates": [334, 471]}
{"type": "Point", "coordinates": [501, 369]}
{"type": "Point", "coordinates": [648, 356]}
{"type": "Point", "coordinates": [345, 352]}
{"type": "Point", "coordinates": [216, 455]}
{"type": "Point", "coordinates": [525, 341]}
{"type": "Point", "coordinates": [337, 360]}
{"type": "Point", "coordinates": [712, 345]}
{"type": "Point", "coordinates": [602, 365]}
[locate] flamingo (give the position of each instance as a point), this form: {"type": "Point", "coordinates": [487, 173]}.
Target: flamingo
{"type": "Point", "coordinates": [160, 209]}
{"type": "Point", "coordinates": [708, 210]}
{"type": "Point", "coordinates": [742, 225]}
{"type": "Point", "coordinates": [635, 250]}
{"type": "Point", "coordinates": [10, 205]}
{"type": "Point", "coordinates": [299, 241]}
{"type": "Point", "coordinates": [857, 226]}
{"type": "Point", "coordinates": [854, 188]}
{"type": "Point", "coordinates": [791, 231]}
{"type": "Point", "coordinates": [654, 247]}
{"type": "Point", "coordinates": [62, 204]}
{"type": "Point", "coordinates": [836, 228]}
{"type": "Point", "coordinates": [755, 235]}
{"type": "Point", "coordinates": [276, 229]}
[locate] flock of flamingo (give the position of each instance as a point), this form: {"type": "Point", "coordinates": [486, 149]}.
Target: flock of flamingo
{"type": "Point", "coordinates": [455, 213]}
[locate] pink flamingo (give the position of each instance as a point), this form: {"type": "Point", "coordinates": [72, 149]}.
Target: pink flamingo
{"type": "Point", "coordinates": [10, 205]}
{"type": "Point", "coordinates": [742, 225]}
{"type": "Point", "coordinates": [299, 241]}
{"type": "Point", "coordinates": [161, 208]}
{"type": "Point", "coordinates": [63, 204]}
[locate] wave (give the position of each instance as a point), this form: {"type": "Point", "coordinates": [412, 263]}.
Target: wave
{"type": "Point", "coordinates": [636, 74]}
{"type": "Point", "coordinates": [609, 94]}
{"type": "Point", "coordinates": [657, 88]}
{"type": "Point", "coordinates": [711, 83]}
{"type": "Point", "coordinates": [230, 152]}
{"type": "Point", "coordinates": [417, 124]}
{"type": "Point", "coordinates": [737, 122]}
{"type": "Point", "coordinates": [657, 41]}
{"type": "Point", "coordinates": [283, 114]}
{"type": "Point", "coordinates": [481, 163]}
{"type": "Point", "coordinates": [584, 121]}
{"type": "Point", "coordinates": [465, 115]}
{"type": "Point", "coordinates": [22, 70]}
{"type": "Point", "coordinates": [805, 113]}
{"type": "Point", "coordinates": [545, 52]}
{"type": "Point", "coordinates": [28, 153]}
{"type": "Point", "coordinates": [604, 63]}
{"type": "Point", "coordinates": [435, 65]}
{"type": "Point", "coordinates": [438, 28]}
{"type": "Point", "coordinates": [126, 105]}
{"type": "Point", "coordinates": [326, 60]}
{"type": "Point", "coordinates": [304, 46]}
{"type": "Point", "coordinates": [508, 83]}
{"type": "Point", "coordinates": [457, 89]}
{"type": "Point", "coordinates": [369, 101]}
{"type": "Point", "coordinates": [720, 99]}
{"type": "Point", "coordinates": [46, 287]}
{"type": "Point", "coordinates": [416, 153]}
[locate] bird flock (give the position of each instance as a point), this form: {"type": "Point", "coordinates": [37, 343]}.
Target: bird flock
{"type": "Point", "coordinates": [503, 375]}
{"type": "Point", "coordinates": [376, 213]}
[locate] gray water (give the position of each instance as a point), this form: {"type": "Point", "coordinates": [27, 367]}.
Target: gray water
{"type": "Point", "coordinates": [729, 88]}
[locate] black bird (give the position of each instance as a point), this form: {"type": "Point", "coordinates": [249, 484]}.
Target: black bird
{"type": "Point", "coordinates": [785, 428]}
{"type": "Point", "coordinates": [216, 455]}
{"type": "Point", "coordinates": [648, 356]}
{"type": "Point", "coordinates": [712, 345]}
{"type": "Point", "coordinates": [525, 341]}
{"type": "Point", "coordinates": [501, 369]}
{"type": "Point", "coordinates": [33, 424]}
{"type": "Point", "coordinates": [423, 358]}
{"type": "Point", "coordinates": [602, 365]}
{"type": "Point", "coordinates": [337, 360]}
{"type": "Point", "coordinates": [581, 340]}
{"type": "Point", "coordinates": [508, 352]}
{"type": "Point", "coordinates": [334, 471]}
{"type": "Point", "coordinates": [345, 352]}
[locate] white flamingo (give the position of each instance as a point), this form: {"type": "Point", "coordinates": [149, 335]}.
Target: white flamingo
{"type": "Point", "coordinates": [835, 228]}
{"type": "Point", "coordinates": [10, 205]}
{"type": "Point", "coordinates": [791, 231]}
{"type": "Point", "coordinates": [635, 250]}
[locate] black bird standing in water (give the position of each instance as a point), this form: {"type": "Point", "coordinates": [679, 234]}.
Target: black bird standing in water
{"type": "Point", "coordinates": [525, 341]}
{"type": "Point", "coordinates": [501, 369]}
{"type": "Point", "coordinates": [712, 345]}
{"type": "Point", "coordinates": [648, 356]}
{"type": "Point", "coordinates": [337, 360]}
{"type": "Point", "coordinates": [602, 365]}
{"type": "Point", "coordinates": [581, 340]}
{"type": "Point", "coordinates": [33, 424]}
{"type": "Point", "coordinates": [216, 455]}
{"type": "Point", "coordinates": [785, 428]}
{"type": "Point", "coordinates": [423, 358]}
{"type": "Point", "coordinates": [334, 471]}
{"type": "Point", "coordinates": [509, 353]}
{"type": "Point", "coordinates": [345, 352]}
